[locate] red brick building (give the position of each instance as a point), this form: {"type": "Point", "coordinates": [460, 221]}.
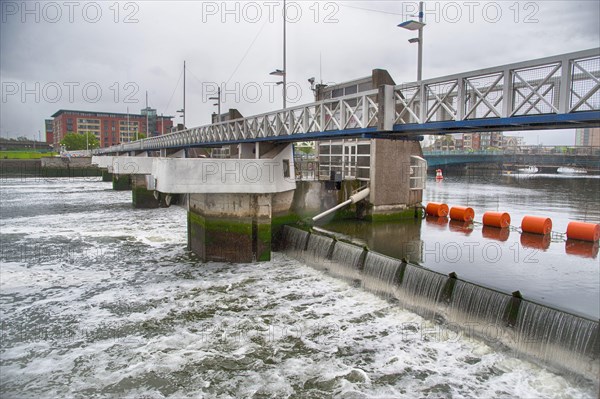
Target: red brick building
{"type": "Point", "coordinates": [111, 128]}
{"type": "Point", "coordinates": [49, 124]}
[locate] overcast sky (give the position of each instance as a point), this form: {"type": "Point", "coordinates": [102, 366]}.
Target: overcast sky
{"type": "Point", "coordinates": [105, 55]}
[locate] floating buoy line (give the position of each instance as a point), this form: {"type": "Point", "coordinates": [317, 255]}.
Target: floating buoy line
{"type": "Point", "coordinates": [581, 238]}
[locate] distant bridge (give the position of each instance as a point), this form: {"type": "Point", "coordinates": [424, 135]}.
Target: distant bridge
{"type": "Point", "coordinates": [544, 158]}
{"type": "Point", "coordinates": [555, 92]}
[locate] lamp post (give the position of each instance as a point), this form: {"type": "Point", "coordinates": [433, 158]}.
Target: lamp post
{"type": "Point", "coordinates": [279, 72]}
{"type": "Point", "coordinates": [418, 26]}
{"type": "Point", "coordinates": [218, 104]}
{"type": "Point", "coordinates": [283, 72]}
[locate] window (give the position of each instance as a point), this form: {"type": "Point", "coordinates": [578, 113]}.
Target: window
{"type": "Point", "coordinates": [337, 93]}
{"type": "Point", "coordinates": [350, 90]}
{"type": "Point", "coordinates": [286, 168]}
{"type": "Point", "coordinates": [418, 172]}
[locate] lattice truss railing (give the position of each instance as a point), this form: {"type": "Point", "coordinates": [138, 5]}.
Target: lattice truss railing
{"type": "Point", "coordinates": [554, 85]}
{"type": "Point", "coordinates": [585, 85]}
{"type": "Point", "coordinates": [344, 113]}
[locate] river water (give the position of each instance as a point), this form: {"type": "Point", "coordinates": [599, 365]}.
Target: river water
{"type": "Point", "coordinates": [101, 300]}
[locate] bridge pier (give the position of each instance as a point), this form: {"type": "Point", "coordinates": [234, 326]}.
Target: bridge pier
{"type": "Point", "coordinates": [232, 202]}
{"type": "Point", "coordinates": [230, 227]}
{"type": "Point", "coordinates": [141, 196]}
{"type": "Point", "coordinates": [107, 176]}
{"type": "Point", "coordinates": [121, 182]}
{"type": "Point", "coordinates": [392, 168]}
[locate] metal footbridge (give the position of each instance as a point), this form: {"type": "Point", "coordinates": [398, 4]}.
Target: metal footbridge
{"type": "Point", "coordinates": [549, 93]}
{"type": "Point", "coordinates": [542, 157]}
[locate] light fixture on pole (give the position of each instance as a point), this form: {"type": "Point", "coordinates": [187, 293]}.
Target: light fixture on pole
{"type": "Point", "coordinates": [182, 112]}
{"type": "Point", "coordinates": [218, 104]}
{"type": "Point", "coordinates": [418, 26]}
{"type": "Point", "coordinates": [279, 72]}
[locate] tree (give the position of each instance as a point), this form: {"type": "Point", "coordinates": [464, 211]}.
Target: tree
{"type": "Point", "coordinates": [77, 141]}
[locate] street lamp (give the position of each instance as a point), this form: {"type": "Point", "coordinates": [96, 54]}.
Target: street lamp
{"type": "Point", "coordinates": [418, 26]}
{"type": "Point", "coordinates": [279, 72]}
{"type": "Point", "coordinates": [218, 104]}
{"type": "Point", "coordinates": [182, 112]}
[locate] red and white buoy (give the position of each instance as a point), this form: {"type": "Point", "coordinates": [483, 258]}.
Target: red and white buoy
{"type": "Point", "coordinates": [438, 174]}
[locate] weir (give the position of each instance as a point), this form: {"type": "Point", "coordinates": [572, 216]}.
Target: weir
{"type": "Point", "coordinates": [346, 261]}
{"type": "Point", "coordinates": [561, 340]}
{"type": "Point", "coordinates": [382, 274]}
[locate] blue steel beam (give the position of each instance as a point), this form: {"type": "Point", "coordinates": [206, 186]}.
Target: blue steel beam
{"type": "Point", "coordinates": [530, 122]}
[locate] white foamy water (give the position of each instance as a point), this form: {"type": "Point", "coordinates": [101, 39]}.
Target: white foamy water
{"type": "Point", "coordinates": [101, 300]}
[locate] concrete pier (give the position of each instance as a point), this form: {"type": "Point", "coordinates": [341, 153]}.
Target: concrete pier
{"type": "Point", "coordinates": [142, 197]}
{"type": "Point", "coordinates": [121, 182]}
{"type": "Point", "coordinates": [232, 201]}
{"type": "Point", "coordinates": [230, 227]}
{"type": "Point", "coordinates": [392, 196]}
{"type": "Point", "coordinates": [107, 176]}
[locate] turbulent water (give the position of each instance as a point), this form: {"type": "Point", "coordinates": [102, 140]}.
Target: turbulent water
{"type": "Point", "coordinates": [101, 300]}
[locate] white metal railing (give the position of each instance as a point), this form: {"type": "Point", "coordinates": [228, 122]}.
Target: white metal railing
{"type": "Point", "coordinates": [555, 85]}
{"type": "Point", "coordinates": [560, 84]}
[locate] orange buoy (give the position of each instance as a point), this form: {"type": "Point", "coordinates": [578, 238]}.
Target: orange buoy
{"type": "Point", "coordinates": [535, 241]}
{"type": "Point", "coordinates": [583, 249]}
{"type": "Point", "coordinates": [495, 233]}
{"type": "Point", "coordinates": [462, 213]}
{"type": "Point", "coordinates": [536, 225]}
{"type": "Point", "coordinates": [583, 231]}
{"type": "Point", "coordinates": [496, 219]}
{"type": "Point", "coordinates": [438, 174]}
{"type": "Point", "coordinates": [436, 209]}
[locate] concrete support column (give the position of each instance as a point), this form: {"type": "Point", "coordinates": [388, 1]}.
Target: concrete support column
{"type": "Point", "coordinates": [142, 197]}
{"type": "Point", "coordinates": [230, 227]}
{"type": "Point", "coordinates": [391, 196]}
{"type": "Point", "coordinates": [281, 215]}
{"type": "Point", "coordinates": [107, 176]}
{"type": "Point", "coordinates": [121, 182]}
